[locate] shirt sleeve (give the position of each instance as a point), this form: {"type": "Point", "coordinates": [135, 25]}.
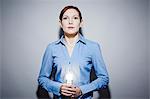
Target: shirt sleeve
{"type": "Point", "coordinates": [45, 72]}
{"type": "Point", "coordinates": [100, 71]}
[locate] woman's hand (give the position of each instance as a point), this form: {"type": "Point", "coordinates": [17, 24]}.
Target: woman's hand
{"type": "Point", "coordinates": [70, 90]}
{"type": "Point", "coordinates": [78, 92]}
{"type": "Point", "coordinates": [67, 90]}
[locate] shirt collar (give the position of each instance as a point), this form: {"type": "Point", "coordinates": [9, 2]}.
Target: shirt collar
{"type": "Point", "coordinates": [81, 39]}
{"type": "Point", "coordinates": [61, 40]}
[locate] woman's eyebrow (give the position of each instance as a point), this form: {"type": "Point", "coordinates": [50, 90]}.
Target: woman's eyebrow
{"type": "Point", "coordinates": [76, 15]}
{"type": "Point", "coordinates": [65, 16]}
{"type": "Point", "coordinates": [68, 16]}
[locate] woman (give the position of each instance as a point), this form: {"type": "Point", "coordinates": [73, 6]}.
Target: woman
{"type": "Point", "coordinates": [72, 56]}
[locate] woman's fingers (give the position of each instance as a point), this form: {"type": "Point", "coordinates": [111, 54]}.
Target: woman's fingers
{"type": "Point", "coordinates": [66, 94]}
{"type": "Point", "coordinates": [67, 90]}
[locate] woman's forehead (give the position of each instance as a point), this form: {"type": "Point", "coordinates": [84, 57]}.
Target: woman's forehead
{"type": "Point", "coordinates": [71, 12]}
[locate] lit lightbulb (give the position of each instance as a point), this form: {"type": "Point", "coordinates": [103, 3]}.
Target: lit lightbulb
{"type": "Point", "coordinates": [69, 77]}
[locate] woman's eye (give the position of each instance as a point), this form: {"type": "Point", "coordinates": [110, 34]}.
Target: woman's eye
{"type": "Point", "coordinates": [76, 18]}
{"type": "Point", "coordinates": [64, 18]}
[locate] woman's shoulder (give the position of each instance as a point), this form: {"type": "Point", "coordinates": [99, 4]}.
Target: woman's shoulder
{"type": "Point", "coordinates": [52, 44]}
{"type": "Point", "coordinates": [93, 46]}
{"type": "Point", "coordinates": [92, 42]}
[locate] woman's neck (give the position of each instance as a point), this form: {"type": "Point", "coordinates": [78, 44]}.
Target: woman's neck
{"type": "Point", "coordinates": [71, 38]}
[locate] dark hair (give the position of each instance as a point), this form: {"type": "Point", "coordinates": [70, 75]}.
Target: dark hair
{"type": "Point", "coordinates": [69, 7]}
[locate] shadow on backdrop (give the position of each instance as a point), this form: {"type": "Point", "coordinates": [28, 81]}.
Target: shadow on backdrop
{"type": "Point", "coordinates": [41, 93]}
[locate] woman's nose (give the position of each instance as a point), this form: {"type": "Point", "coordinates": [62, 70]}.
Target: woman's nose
{"type": "Point", "coordinates": [70, 21]}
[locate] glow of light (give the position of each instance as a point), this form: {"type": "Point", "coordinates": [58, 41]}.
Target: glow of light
{"type": "Point", "coordinates": [69, 77]}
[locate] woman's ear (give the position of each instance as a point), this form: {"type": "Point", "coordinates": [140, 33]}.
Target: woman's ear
{"type": "Point", "coordinates": [60, 23]}
{"type": "Point", "coordinates": [81, 24]}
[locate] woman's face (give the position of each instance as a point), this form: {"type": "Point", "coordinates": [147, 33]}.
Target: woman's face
{"type": "Point", "coordinates": [70, 21]}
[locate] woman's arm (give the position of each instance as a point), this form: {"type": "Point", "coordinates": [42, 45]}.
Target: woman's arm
{"type": "Point", "coordinates": [100, 71]}
{"type": "Point", "coordinates": [46, 69]}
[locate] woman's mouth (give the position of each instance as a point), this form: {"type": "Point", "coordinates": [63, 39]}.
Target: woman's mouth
{"type": "Point", "coordinates": [70, 27]}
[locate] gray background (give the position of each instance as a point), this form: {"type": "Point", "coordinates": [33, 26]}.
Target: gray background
{"type": "Point", "coordinates": [0, 44]}
{"type": "Point", "coordinates": [149, 45]}
{"type": "Point", "coordinates": [120, 26]}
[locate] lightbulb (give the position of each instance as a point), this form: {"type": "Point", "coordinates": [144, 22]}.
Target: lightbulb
{"type": "Point", "coordinates": [69, 77]}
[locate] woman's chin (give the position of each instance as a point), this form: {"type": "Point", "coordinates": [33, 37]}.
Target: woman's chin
{"type": "Point", "coordinates": [71, 33]}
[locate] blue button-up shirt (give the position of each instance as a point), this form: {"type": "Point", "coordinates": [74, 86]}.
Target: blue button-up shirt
{"type": "Point", "coordinates": [86, 54]}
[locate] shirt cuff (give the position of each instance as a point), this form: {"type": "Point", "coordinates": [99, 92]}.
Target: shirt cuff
{"type": "Point", "coordinates": [56, 88]}
{"type": "Point", "coordinates": [87, 88]}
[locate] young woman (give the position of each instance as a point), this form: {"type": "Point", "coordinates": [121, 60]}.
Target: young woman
{"type": "Point", "coordinates": [72, 56]}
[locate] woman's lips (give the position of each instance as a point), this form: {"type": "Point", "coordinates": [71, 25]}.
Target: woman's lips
{"type": "Point", "coordinates": [70, 27]}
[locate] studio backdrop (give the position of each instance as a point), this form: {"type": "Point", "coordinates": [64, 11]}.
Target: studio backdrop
{"type": "Point", "coordinates": [119, 26]}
